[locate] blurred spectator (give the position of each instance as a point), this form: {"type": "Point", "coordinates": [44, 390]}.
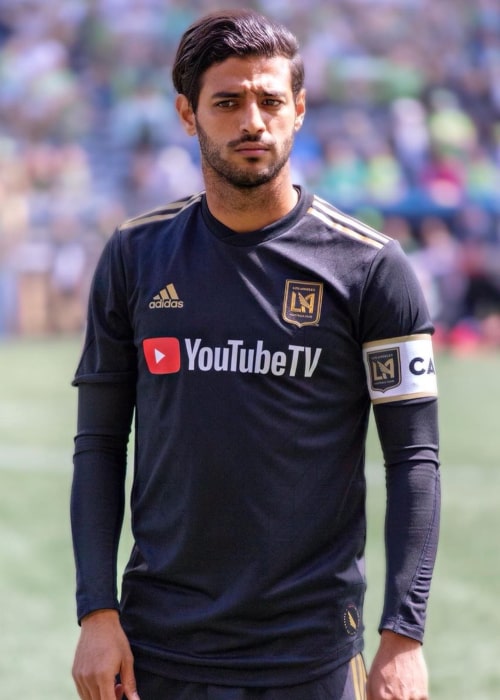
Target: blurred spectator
{"type": "Point", "coordinates": [385, 178]}
{"type": "Point", "coordinates": [152, 173]}
{"type": "Point", "coordinates": [410, 135]}
{"type": "Point", "coordinates": [482, 177]}
{"type": "Point", "coordinates": [66, 280]}
{"type": "Point", "coordinates": [145, 115]}
{"type": "Point", "coordinates": [440, 260]}
{"type": "Point", "coordinates": [344, 173]}
{"type": "Point", "coordinates": [451, 129]}
{"type": "Point", "coordinates": [443, 179]}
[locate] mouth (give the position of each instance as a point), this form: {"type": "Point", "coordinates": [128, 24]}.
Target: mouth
{"type": "Point", "coordinates": [252, 149]}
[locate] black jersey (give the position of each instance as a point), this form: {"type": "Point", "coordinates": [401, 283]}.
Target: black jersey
{"type": "Point", "coordinates": [255, 359]}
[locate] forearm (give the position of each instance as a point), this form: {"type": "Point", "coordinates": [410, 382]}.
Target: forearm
{"type": "Point", "coordinates": [409, 437]}
{"type": "Point", "coordinates": [96, 520]}
{"type": "Point", "coordinates": [411, 537]}
{"type": "Point", "coordinates": [98, 493]}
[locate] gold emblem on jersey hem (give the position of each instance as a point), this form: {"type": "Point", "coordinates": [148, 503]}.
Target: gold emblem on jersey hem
{"type": "Point", "coordinates": [351, 619]}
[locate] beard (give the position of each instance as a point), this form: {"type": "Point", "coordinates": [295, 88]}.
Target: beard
{"type": "Point", "coordinates": [239, 176]}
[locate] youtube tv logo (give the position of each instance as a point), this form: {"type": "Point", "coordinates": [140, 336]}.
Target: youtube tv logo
{"type": "Point", "coordinates": [163, 355]}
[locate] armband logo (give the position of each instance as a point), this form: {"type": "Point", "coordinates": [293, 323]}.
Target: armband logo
{"type": "Point", "coordinates": [302, 303]}
{"type": "Point", "coordinates": [400, 368]}
{"type": "Point", "coordinates": [385, 369]}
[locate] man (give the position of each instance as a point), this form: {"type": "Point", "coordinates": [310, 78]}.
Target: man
{"type": "Point", "coordinates": [250, 327]}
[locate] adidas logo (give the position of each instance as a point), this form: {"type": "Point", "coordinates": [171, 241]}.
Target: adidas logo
{"type": "Point", "coordinates": [167, 298]}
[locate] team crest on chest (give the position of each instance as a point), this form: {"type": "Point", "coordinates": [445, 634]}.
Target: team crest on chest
{"type": "Point", "coordinates": [302, 302]}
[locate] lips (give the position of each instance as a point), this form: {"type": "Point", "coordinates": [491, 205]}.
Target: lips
{"type": "Point", "coordinates": [252, 148]}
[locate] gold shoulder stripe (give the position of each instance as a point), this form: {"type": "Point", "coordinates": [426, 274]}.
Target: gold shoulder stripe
{"type": "Point", "coordinates": [353, 223]}
{"type": "Point", "coordinates": [170, 211]}
{"type": "Point", "coordinates": [345, 224]}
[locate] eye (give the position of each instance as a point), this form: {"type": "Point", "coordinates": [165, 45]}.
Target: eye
{"type": "Point", "coordinates": [226, 104]}
{"type": "Point", "coordinates": [272, 102]}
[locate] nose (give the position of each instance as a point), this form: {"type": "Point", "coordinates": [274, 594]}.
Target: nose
{"type": "Point", "coordinates": [252, 121]}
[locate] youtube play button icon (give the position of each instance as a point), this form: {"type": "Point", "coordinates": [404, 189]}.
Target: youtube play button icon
{"type": "Point", "coordinates": [163, 355]}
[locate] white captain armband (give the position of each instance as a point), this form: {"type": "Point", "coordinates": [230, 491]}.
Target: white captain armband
{"type": "Point", "coordinates": [398, 369]}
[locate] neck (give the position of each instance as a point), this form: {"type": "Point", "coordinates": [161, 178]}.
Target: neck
{"type": "Point", "coordinates": [250, 208]}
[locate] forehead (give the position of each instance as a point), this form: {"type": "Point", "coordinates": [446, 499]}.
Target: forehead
{"type": "Point", "coordinates": [249, 73]}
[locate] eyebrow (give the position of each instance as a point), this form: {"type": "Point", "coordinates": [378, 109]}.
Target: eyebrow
{"type": "Point", "coordinates": [223, 93]}
{"type": "Point", "coordinates": [266, 93]}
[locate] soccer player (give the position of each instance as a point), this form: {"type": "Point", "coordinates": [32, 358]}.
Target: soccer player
{"type": "Point", "coordinates": [250, 328]}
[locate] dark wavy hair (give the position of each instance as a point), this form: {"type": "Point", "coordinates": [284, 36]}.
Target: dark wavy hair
{"type": "Point", "coordinates": [228, 33]}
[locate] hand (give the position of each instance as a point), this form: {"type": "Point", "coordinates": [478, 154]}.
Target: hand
{"type": "Point", "coordinates": [102, 653]}
{"type": "Point", "coordinates": [398, 671]}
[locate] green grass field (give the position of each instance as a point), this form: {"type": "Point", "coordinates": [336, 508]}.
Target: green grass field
{"type": "Point", "coordinates": [37, 624]}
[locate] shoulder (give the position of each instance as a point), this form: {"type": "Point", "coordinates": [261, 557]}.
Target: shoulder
{"type": "Point", "coordinates": [161, 215]}
{"type": "Point", "coordinates": [346, 226]}
{"type": "Point", "coordinates": [136, 241]}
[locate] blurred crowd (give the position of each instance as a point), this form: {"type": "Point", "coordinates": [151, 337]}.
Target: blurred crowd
{"type": "Point", "coordinates": [403, 131]}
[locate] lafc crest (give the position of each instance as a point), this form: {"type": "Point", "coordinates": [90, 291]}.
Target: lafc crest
{"type": "Point", "coordinates": [385, 369]}
{"type": "Point", "coordinates": [302, 302]}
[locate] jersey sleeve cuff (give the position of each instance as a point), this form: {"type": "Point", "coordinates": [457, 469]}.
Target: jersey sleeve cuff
{"type": "Point", "coordinates": [403, 628]}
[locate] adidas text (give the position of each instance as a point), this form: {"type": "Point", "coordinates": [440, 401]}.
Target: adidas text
{"type": "Point", "coordinates": [166, 304]}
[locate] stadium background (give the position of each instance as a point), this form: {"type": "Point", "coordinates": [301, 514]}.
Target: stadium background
{"type": "Point", "coordinates": [403, 130]}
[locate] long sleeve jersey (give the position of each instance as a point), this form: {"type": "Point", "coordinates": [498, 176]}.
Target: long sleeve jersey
{"type": "Point", "coordinates": [251, 362]}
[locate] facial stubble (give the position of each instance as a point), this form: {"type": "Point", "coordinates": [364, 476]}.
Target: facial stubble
{"type": "Point", "coordinates": [239, 176]}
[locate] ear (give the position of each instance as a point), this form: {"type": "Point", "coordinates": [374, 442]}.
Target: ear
{"type": "Point", "coordinates": [186, 114]}
{"type": "Point", "coordinates": [300, 109]}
